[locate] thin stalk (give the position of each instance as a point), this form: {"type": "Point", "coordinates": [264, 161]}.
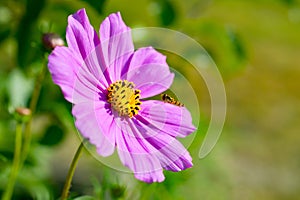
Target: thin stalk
{"type": "Point", "coordinates": [32, 106]}
{"type": "Point", "coordinates": [15, 165]}
{"type": "Point", "coordinates": [71, 171]}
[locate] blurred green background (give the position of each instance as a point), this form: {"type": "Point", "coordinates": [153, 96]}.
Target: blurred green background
{"type": "Point", "coordinates": [256, 46]}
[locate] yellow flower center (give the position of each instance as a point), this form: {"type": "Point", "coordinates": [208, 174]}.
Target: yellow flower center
{"type": "Point", "coordinates": [123, 98]}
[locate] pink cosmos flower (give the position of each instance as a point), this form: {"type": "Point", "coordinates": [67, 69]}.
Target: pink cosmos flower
{"type": "Point", "coordinates": [106, 80]}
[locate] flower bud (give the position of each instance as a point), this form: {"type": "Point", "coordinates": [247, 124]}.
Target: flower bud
{"type": "Point", "coordinates": [22, 114]}
{"type": "Point", "coordinates": [51, 40]}
{"type": "Point", "coordinates": [23, 111]}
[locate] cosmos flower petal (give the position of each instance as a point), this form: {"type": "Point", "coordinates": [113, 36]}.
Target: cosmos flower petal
{"type": "Point", "coordinates": [183, 162]}
{"type": "Point", "coordinates": [91, 82]}
{"type": "Point", "coordinates": [167, 118]}
{"type": "Point", "coordinates": [146, 151]}
{"type": "Point", "coordinates": [80, 35]}
{"type": "Point", "coordinates": [116, 44]}
{"type": "Point", "coordinates": [63, 67]}
{"type": "Point", "coordinates": [135, 154]}
{"type": "Point", "coordinates": [95, 124]}
{"type": "Point", "coordinates": [170, 152]}
{"type": "Point", "coordinates": [85, 88]}
{"type": "Point", "coordinates": [149, 71]}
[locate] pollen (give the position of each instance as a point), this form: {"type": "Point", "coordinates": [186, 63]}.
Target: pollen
{"type": "Point", "coordinates": [123, 98]}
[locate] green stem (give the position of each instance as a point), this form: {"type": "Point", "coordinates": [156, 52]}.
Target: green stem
{"type": "Point", "coordinates": [32, 107]}
{"type": "Point", "coordinates": [71, 171]}
{"type": "Point", "coordinates": [15, 165]}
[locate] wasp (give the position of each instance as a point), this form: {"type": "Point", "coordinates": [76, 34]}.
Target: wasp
{"type": "Point", "coordinates": [168, 99]}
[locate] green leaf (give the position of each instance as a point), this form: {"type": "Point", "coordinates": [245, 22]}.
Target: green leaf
{"type": "Point", "coordinates": [53, 136]}
{"type": "Point", "coordinates": [117, 191]}
{"type": "Point", "coordinates": [96, 4]}
{"type": "Point", "coordinates": [3, 158]}
{"type": "Point", "coordinates": [6, 156]}
{"type": "Point", "coordinates": [168, 13]}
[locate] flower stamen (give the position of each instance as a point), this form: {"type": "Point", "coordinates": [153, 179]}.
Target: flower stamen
{"type": "Point", "coordinates": [123, 98]}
